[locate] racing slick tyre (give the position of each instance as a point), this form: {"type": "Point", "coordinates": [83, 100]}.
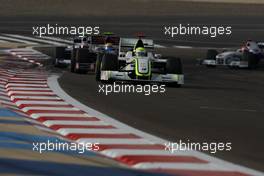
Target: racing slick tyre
{"type": "Point", "coordinates": [98, 66]}
{"type": "Point", "coordinates": [252, 59]}
{"type": "Point", "coordinates": [59, 53]}
{"type": "Point", "coordinates": [85, 59]}
{"type": "Point", "coordinates": [211, 55]}
{"type": "Point", "coordinates": [73, 60]}
{"type": "Point", "coordinates": [109, 63]}
{"type": "Point", "coordinates": [83, 55]}
{"type": "Point", "coordinates": [174, 66]}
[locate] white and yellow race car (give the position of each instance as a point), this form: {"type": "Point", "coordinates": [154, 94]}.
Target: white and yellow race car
{"type": "Point", "coordinates": [136, 62]}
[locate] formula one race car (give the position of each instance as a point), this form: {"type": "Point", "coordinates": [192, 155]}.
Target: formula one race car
{"type": "Point", "coordinates": [246, 57]}
{"type": "Point", "coordinates": [137, 63]}
{"type": "Point", "coordinates": [86, 49]}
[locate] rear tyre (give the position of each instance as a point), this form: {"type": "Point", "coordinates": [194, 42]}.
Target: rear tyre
{"type": "Point", "coordinates": [174, 66]}
{"type": "Point", "coordinates": [73, 60]}
{"type": "Point", "coordinates": [85, 56]}
{"type": "Point", "coordinates": [211, 55]}
{"type": "Point", "coordinates": [109, 63]}
{"type": "Point", "coordinates": [59, 54]}
{"type": "Point", "coordinates": [251, 58]}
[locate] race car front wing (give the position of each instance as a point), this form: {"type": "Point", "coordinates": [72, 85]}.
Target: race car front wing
{"type": "Point", "coordinates": [158, 78]}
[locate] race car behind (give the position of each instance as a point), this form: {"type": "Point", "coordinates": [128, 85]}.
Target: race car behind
{"type": "Point", "coordinates": [62, 57]}
{"type": "Point", "coordinates": [248, 56]}
{"type": "Point", "coordinates": [85, 51]}
{"type": "Point", "coordinates": [136, 62]}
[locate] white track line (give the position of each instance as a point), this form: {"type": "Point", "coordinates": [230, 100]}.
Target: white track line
{"type": "Point", "coordinates": [39, 102]}
{"type": "Point", "coordinates": [24, 85]}
{"type": "Point", "coordinates": [5, 98]}
{"type": "Point", "coordinates": [159, 46]}
{"type": "Point", "coordinates": [30, 93]}
{"type": "Point", "coordinates": [182, 166]}
{"type": "Point", "coordinates": [18, 40]}
{"type": "Point", "coordinates": [35, 39]}
{"type": "Point", "coordinates": [182, 47]}
{"type": "Point", "coordinates": [24, 88]}
{"type": "Point", "coordinates": [35, 97]}
{"type": "Point", "coordinates": [71, 122]}
{"type": "Point", "coordinates": [3, 41]}
{"type": "Point", "coordinates": [8, 103]}
{"type": "Point", "coordinates": [26, 109]}
{"type": "Point", "coordinates": [57, 39]}
{"type": "Point", "coordinates": [113, 141]}
{"type": "Point", "coordinates": [113, 153]}
{"type": "Point", "coordinates": [27, 79]}
{"type": "Point", "coordinates": [66, 131]}
{"type": "Point", "coordinates": [37, 115]}
{"type": "Point", "coordinates": [27, 82]}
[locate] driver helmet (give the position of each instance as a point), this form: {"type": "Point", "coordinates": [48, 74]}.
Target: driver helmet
{"type": "Point", "coordinates": [140, 51]}
{"type": "Point", "coordinates": [109, 47]}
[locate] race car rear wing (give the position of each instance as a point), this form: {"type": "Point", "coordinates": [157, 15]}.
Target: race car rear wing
{"type": "Point", "coordinates": [130, 43]}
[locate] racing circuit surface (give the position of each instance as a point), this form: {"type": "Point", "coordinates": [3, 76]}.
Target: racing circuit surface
{"type": "Point", "coordinates": [214, 105]}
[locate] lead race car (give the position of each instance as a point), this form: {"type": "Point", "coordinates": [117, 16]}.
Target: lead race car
{"type": "Point", "coordinates": [248, 56]}
{"type": "Point", "coordinates": [136, 62]}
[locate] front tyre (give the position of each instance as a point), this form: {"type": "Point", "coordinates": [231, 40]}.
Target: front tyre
{"type": "Point", "coordinates": [109, 63]}
{"type": "Point", "coordinates": [174, 66]}
{"type": "Point", "coordinates": [98, 67]}
{"type": "Point", "coordinates": [251, 58]}
{"type": "Point", "coordinates": [211, 54]}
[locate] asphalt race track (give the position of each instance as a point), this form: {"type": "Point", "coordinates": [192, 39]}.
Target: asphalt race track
{"type": "Point", "coordinates": [214, 105]}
